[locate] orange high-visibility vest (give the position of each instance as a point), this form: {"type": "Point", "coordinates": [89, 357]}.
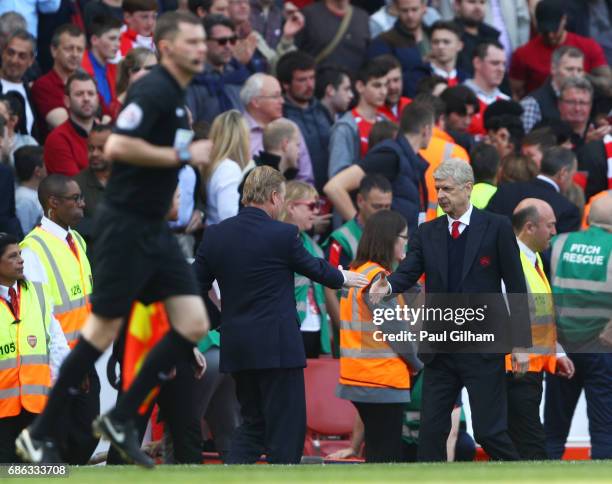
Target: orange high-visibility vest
{"type": "Point", "coordinates": [146, 326]}
{"type": "Point", "coordinates": [363, 360]}
{"type": "Point", "coordinates": [440, 148]}
{"type": "Point", "coordinates": [25, 374]}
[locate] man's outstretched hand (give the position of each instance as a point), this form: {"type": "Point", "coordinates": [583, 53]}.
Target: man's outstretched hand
{"type": "Point", "coordinates": [380, 289]}
{"type": "Point", "coordinates": [354, 279]}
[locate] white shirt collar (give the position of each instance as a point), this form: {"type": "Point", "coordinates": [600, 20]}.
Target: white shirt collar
{"type": "Point", "coordinates": [530, 254]}
{"type": "Point", "coordinates": [464, 219]}
{"type": "Point", "coordinates": [549, 180]}
{"type": "Point", "coordinates": [49, 226]}
{"type": "Point", "coordinates": [442, 73]}
{"type": "Point", "coordinates": [4, 291]}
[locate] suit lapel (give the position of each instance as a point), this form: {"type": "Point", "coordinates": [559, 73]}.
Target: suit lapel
{"type": "Point", "coordinates": [475, 234]}
{"type": "Point", "coordinates": [440, 247]}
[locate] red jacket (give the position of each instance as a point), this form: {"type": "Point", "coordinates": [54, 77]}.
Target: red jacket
{"type": "Point", "coordinates": [65, 150]}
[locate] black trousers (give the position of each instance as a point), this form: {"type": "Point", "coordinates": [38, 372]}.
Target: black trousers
{"type": "Point", "coordinates": [273, 410]}
{"type": "Point", "coordinates": [382, 424]}
{"type": "Point", "coordinates": [524, 425]}
{"type": "Point", "coordinates": [484, 377]}
{"type": "Point", "coordinates": [312, 343]}
{"type": "Point", "coordinates": [10, 427]}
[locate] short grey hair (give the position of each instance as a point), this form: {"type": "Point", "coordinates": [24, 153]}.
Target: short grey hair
{"type": "Point", "coordinates": [579, 83]}
{"type": "Point", "coordinates": [565, 50]}
{"type": "Point", "coordinates": [10, 22]}
{"type": "Point", "coordinates": [455, 168]}
{"type": "Point", "coordinates": [252, 88]}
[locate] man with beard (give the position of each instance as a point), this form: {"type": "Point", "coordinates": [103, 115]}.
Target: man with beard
{"type": "Point", "coordinates": [66, 146]}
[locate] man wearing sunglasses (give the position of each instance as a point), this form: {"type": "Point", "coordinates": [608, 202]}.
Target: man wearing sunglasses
{"type": "Point", "coordinates": [217, 89]}
{"type": "Point", "coordinates": [55, 255]}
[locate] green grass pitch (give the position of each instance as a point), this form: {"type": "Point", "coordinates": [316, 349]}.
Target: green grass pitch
{"type": "Point", "coordinates": [481, 472]}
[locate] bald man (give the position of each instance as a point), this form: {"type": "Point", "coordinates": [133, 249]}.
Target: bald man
{"type": "Point", "coordinates": [533, 221]}
{"type": "Point", "coordinates": [581, 276]}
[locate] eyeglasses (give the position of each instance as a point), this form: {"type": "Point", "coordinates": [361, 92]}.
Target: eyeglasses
{"type": "Point", "coordinates": [76, 198]}
{"type": "Point", "coordinates": [574, 103]}
{"type": "Point", "coordinates": [312, 206]}
{"type": "Point", "coordinates": [222, 41]}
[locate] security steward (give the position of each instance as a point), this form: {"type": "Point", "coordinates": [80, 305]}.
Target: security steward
{"type": "Point", "coordinates": [31, 342]}
{"type": "Point", "coordinates": [534, 225]}
{"type": "Point", "coordinates": [55, 255]}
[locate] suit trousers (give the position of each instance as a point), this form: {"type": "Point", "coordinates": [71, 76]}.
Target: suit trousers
{"type": "Point", "coordinates": [594, 375]}
{"type": "Point", "coordinates": [484, 377]}
{"type": "Point", "coordinates": [273, 409]}
{"type": "Point", "coordinates": [524, 425]}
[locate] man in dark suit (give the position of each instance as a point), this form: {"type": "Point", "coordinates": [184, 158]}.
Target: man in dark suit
{"type": "Point", "coordinates": [253, 258]}
{"type": "Point", "coordinates": [556, 174]}
{"type": "Point", "coordinates": [466, 254]}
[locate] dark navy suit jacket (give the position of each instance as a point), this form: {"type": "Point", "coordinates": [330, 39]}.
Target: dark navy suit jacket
{"type": "Point", "coordinates": [253, 258]}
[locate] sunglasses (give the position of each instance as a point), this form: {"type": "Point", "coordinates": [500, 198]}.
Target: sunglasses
{"type": "Point", "coordinates": [312, 206]}
{"type": "Point", "coordinates": [222, 41]}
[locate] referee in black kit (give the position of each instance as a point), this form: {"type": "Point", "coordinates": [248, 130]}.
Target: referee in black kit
{"type": "Point", "coordinates": [136, 256]}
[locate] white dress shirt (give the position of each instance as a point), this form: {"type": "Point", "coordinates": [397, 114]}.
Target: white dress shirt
{"type": "Point", "coordinates": [464, 219]}
{"type": "Point", "coordinates": [58, 346]}
{"type": "Point", "coordinates": [550, 181]}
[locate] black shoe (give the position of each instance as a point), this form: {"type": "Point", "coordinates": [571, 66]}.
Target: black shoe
{"type": "Point", "coordinates": [124, 437]}
{"type": "Point", "coordinates": [35, 450]}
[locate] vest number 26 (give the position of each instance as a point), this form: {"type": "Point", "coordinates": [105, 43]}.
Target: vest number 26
{"type": "Point", "coordinates": [75, 290]}
{"type": "Point", "coordinates": [7, 348]}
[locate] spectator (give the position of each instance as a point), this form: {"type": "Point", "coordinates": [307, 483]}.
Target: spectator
{"type": "Point", "coordinates": [281, 145]}
{"type": "Point", "coordinates": [104, 45]}
{"type": "Point", "coordinates": [253, 43]}
{"type": "Point", "coordinates": [470, 16]}
{"type": "Point", "coordinates": [8, 219]}
{"type": "Point", "coordinates": [349, 137]}
{"type": "Point", "coordinates": [397, 160]}
{"type": "Point", "coordinates": [394, 102]}
{"type": "Point", "coordinates": [217, 89]}
{"type": "Point", "coordinates": [267, 19]}
{"type": "Point", "coordinates": [30, 9]}
{"type": "Point", "coordinates": [461, 107]}
{"type": "Point", "coordinates": [67, 47]}
{"type": "Point", "coordinates": [333, 89]}
{"type": "Point", "coordinates": [575, 103]}
{"type": "Point", "coordinates": [330, 40]}
{"type": "Point", "coordinates": [505, 133]}
{"type": "Point", "coordinates": [407, 41]}
{"type": "Point", "coordinates": [531, 63]}
{"type": "Point", "coordinates": [435, 85]}
{"type": "Point", "coordinates": [12, 108]}
{"type": "Point", "coordinates": [542, 103]}
{"type": "Point", "coordinates": [441, 147]}
{"type": "Point", "coordinates": [382, 130]}
{"type": "Point", "coordinates": [517, 168]}
{"type": "Point", "coordinates": [536, 142]}
{"type": "Point", "coordinates": [385, 17]}
{"type": "Point", "coordinates": [556, 174]}
{"type": "Point", "coordinates": [489, 69]}
{"type": "Point", "coordinates": [485, 163]}
{"type": "Point", "coordinates": [296, 73]}
{"type": "Point", "coordinates": [300, 208]}
{"type": "Point", "coordinates": [66, 146]}
{"type": "Point", "coordinates": [511, 18]}
{"type": "Point", "coordinates": [140, 17]}
{"type": "Point", "coordinates": [446, 45]}
{"type": "Point", "coordinates": [202, 8]}
{"type": "Point", "coordinates": [30, 171]}
{"type": "Point", "coordinates": [92, 180]}
{"type": "Point", "coordinates": [228, 158]}
{"type": "Point", "coordinates": [137, 63]}
{"type": "Point", "coordinates": [17, 57]}
{"type": "Point", "coordinates": [262, 99]}
{"type": "Point", "coordinates": [10, 22]}
{"type": "Point", "coordinates": [102, 8]}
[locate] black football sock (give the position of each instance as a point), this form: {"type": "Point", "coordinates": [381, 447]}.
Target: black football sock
{"type": "Point", "coordinates": [164, 356]}
{"type": "Point", "coordinates": [76, 366]}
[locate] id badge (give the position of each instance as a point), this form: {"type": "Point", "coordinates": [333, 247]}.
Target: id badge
{"type": "Point", "coordinates": [182, 138]}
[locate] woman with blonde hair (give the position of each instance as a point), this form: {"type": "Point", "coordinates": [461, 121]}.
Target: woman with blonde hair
{"type": "Point", "coordinates": [300, 209]}
{"type": "Point", "coordinates": [137, 63]}
{"type": "Point", "coordinates": [229, 156]}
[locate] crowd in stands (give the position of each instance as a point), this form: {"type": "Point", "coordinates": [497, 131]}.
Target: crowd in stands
{"type": "Point", "coordinates": [336, 95]}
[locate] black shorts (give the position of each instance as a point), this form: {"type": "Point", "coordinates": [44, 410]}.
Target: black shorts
{"type": "Point", "coordinates": [135, 258]}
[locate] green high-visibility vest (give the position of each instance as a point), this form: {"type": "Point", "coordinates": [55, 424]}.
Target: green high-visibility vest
{"type": "Point", "coordinates": [348, 236]}
{"type": "Point", "coordinates": [302, 284]}
{"type": "Point", "coordinates": [581, 280]}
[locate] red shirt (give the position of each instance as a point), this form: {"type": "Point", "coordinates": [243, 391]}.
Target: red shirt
{"type": "Point", "coordinates": [47, 94]}
{"type": "Point", "coordinates": [388, 112]}
{"type": "Point", "coordinates": [531, 62]}
{"type": "Point", "coordinates": [363, 130]}
{"type": "Point", "coordinates": [65, 150]}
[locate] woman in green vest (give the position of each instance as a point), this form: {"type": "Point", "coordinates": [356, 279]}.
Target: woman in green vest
{"type": "Point", "coordinates": [300, 209]}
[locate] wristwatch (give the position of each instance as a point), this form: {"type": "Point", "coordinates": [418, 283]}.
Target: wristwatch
{"type": "Point", "coordinates": [183, 155]}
